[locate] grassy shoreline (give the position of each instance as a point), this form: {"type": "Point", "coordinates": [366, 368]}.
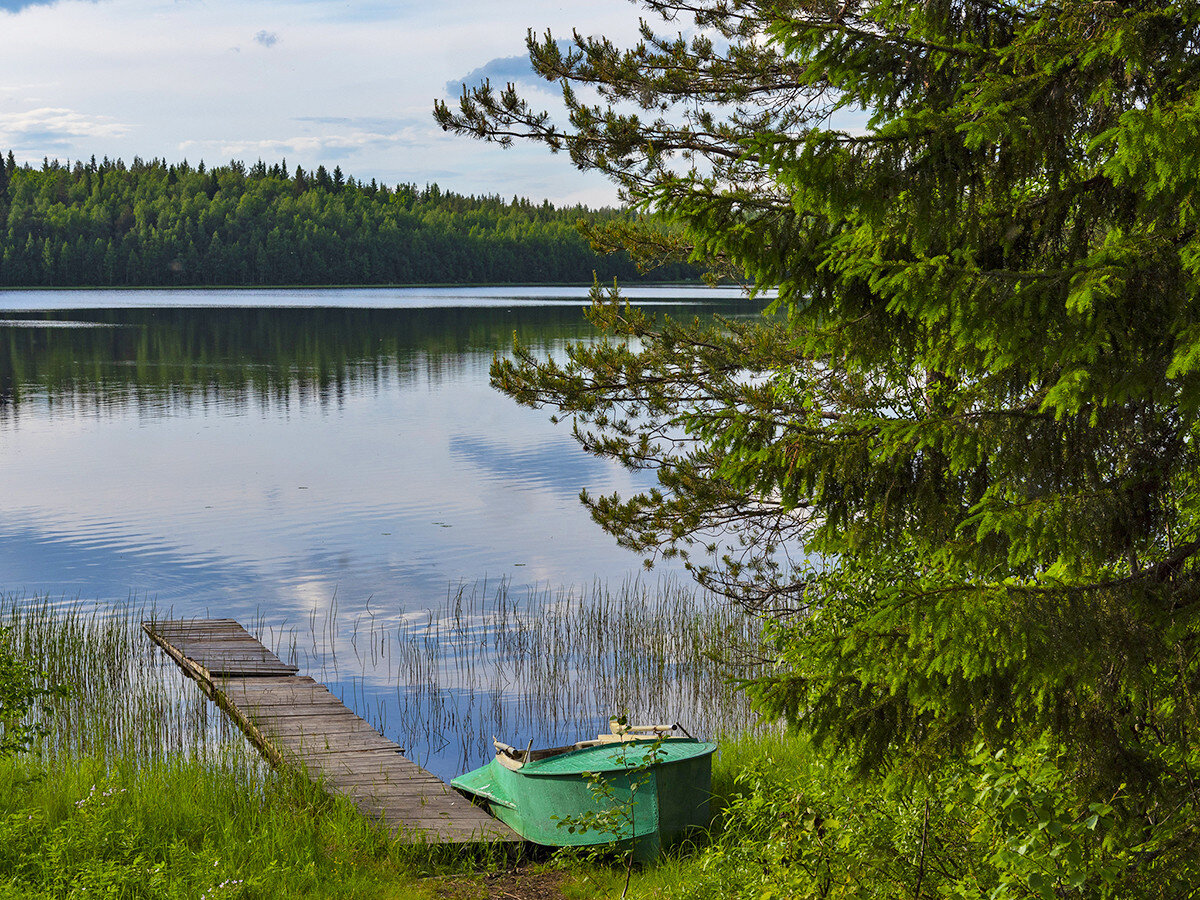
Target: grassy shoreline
{"type": "Point", "coordinates": [191, 827]}
{"type": "Point", "coordinates": [140, 788]}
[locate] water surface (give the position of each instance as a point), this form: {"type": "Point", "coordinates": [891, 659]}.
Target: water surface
{"type": "Point", "coordinates": [280, 455]}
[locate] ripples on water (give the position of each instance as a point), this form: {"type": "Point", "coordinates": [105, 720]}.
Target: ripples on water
{"type": "Point", "coordinates": [543, 666]}
{"type": "Point", "coordinates": [277, 455]}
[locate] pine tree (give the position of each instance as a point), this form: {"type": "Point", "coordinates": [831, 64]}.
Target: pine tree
{"type": "Point", "coordinates": [977, 410]}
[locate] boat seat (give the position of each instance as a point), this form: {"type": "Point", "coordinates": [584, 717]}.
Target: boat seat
{"type": "Point", "coordinates": [638, 729]}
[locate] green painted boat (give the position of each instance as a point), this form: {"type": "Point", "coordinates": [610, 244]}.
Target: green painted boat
{"type": "Point", "coordinates": [639, 787]}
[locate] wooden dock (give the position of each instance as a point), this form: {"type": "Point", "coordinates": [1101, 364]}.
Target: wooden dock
{"type": "Point", "coordinates": [296, 721]}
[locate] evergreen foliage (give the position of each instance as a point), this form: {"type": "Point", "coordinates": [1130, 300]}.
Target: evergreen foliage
{"type": "Point", "coordinates": [980, 413]}
{"type": "Point", "coordinates": [151, 224]}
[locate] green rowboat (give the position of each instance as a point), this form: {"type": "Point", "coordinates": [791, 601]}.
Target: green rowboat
{"type": "Point", "coordinates": [636, 785]}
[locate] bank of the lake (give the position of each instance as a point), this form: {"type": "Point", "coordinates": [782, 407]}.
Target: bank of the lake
{"type": "Point", "coordinates": [140, 788]}
{"type": "Point", "coordinates": [191, 828]}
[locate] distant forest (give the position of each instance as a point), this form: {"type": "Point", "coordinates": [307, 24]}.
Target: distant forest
{"type": "Point", "coordinates": [154, 224]}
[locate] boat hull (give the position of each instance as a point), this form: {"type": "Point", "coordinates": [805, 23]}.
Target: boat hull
{"type": "Point", "coordinates": [643, 792]}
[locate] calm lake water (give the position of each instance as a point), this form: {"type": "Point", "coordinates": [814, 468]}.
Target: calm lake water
{"type": "Point", "coordinates": [296, 457]}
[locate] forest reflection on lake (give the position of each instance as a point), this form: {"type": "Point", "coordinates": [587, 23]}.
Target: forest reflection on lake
{"type": "Point", "coordinates": [275, 461]}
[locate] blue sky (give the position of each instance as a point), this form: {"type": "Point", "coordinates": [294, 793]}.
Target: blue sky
{"type": "Point", "coordinates": [315, 81]}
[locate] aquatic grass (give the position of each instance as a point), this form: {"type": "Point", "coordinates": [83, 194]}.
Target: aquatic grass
{"type": "Point", "coordinates": [544, 665]}
{"type": "Point", "coordinates": [123, 701]}
{"type": "Point", "coordinates": [141, 788]}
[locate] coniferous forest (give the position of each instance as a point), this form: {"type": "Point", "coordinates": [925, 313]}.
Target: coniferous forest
{"type": "Point", "coordinates": [157, 224]}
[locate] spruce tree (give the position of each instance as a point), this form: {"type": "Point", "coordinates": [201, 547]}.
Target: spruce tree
{"type": "Point", "coordinates": [957, 470]}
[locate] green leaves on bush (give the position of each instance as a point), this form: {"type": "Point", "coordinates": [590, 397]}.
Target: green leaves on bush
{"type": "Point", "coordinates": [21, 686]}
{"type": "Point", "coordinates": [1004, 825]}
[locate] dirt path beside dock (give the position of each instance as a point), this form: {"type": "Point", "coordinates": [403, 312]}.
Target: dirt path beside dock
{"type": "Point", "coordinates": [518, 885]}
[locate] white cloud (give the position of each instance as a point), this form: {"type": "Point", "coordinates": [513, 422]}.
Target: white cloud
{"type": "Point", "coordinates": [52, 126]}
{"type": "Point", "coordinates": [353, 84]}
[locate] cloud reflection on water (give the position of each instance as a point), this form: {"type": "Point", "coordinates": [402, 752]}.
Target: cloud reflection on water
{"type": "Point", "coordinates": [289, 465]}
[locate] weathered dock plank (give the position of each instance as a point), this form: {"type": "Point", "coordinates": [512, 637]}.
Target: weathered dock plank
{"type": "Point", "coordinates": [296, 721]}
{"type": "Point", "coordinates": [206, 649]}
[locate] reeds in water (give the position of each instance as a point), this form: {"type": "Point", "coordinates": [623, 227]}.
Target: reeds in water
{"type": "Point", "coordinates": [546, 666]}
{"type": "Point", "coordinates": [542, 666]}
{"type": "Point", "coordinates": [125, 700]}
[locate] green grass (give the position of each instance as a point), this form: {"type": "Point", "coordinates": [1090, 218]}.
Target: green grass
{"type": "Point", "coordinates": [140, 788]}
{"type": "Point", "coordinates": [187, 829]}
{"type": "Point", "coordinates": [688, 869]}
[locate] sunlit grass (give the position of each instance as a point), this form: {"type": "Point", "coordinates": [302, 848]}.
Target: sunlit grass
{"type": "Point", "coordinates": [141, 788]}
{"type": "Point", "coordinates": [192, 829]}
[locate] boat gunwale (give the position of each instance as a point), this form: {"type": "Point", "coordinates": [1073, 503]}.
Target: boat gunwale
{"type": "Point", "coordinates": [607, 752]}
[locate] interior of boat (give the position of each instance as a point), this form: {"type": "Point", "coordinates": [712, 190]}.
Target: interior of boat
{"type": "Point", "coordinates": [513, 758]}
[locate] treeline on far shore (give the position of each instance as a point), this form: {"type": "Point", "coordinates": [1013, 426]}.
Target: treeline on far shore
{"type": "Point", "coordinates": [158, 224]}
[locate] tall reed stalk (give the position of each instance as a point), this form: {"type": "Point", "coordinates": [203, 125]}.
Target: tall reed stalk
{"type": "Point", "coordinates": [124, 701]}
{"type": "Point", "coordinates": [547, 665]}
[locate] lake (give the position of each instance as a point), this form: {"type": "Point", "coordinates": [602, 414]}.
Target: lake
{"type": "Point", "coordinates": [300, 459]}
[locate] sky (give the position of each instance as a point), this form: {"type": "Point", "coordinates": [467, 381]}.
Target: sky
{"type": "Point", "coordinates": [348, 84]}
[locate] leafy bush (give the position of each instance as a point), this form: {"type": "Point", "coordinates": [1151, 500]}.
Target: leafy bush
{"type": "Point", "coordinates": [21, 686]}
{"type": "Point", "coordinates": [1004, 825]}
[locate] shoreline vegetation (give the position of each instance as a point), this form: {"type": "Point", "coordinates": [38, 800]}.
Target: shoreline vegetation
{"type": "Point", "coordinates": [159, 224]}
{"type": "Point", "coordinates": [139, 787]}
